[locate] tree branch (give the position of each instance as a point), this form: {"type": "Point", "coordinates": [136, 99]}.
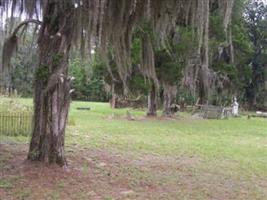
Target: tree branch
{"type": "Point", "coordinates": [24, 23]}
{"type": "Point", "coordinates": [10, 43]}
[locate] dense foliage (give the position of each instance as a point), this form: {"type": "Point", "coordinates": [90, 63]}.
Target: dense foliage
{"type": "Point", "coordinates": [244, 77]}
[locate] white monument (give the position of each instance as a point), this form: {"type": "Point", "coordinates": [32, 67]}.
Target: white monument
{"type": "Point", "coordinates": [235, 108]}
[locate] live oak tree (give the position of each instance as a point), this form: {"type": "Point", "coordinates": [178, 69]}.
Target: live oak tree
{"type": "Point", "coordinates": [170, 63]}
{"type": "Point", "coordinates": [99, 24]}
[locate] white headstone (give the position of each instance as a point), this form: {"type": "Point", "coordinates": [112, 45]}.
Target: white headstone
{"type": "Point", "coordinates": [235, 108]}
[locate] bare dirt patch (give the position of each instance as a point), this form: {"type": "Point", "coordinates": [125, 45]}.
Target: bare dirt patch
{"type": "Point", "coordinates": [105, 174]}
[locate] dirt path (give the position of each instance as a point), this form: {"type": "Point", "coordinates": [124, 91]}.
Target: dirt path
{"type": "Point", "coordinates": [101, 174]}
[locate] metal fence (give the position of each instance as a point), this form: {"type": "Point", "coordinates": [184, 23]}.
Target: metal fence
{"type": "Point", "coordinates": [14, 124]}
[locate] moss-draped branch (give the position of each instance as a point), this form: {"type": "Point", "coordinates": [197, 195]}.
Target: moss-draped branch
{"type": "Point", "coordinates": [11, 42]}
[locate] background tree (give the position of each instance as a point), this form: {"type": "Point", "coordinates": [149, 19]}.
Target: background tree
{"type": "Point", "coordinates": [170, 64]}
{"type": "Point", "coordinates": [256, 22]}
{"type": "Point", "coordinates": [89, 84]}
{"type": "Point", "coordinates": [20, 75]}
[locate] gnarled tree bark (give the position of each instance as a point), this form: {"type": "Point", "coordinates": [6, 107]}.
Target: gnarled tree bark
{"type": "Point", "coordinates": [52, 85]}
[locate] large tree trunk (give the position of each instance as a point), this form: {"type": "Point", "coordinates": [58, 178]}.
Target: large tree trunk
{"type": "Point", "coordinates": [169, 96]}
{"type": "Point", "coordinates": [152, 101]}
{"type": "Point", "coordinates": [204, 54]}
{"type": "Point", "coordinates": [52, 85]}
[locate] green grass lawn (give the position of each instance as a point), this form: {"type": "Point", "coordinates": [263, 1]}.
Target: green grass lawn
{"type": "Point", "coordinates": [239, 140]}
{"type": "Point", "coordinates": [233, 149]}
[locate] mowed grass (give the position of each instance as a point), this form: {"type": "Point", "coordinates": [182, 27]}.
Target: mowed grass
{"type": "Point", "coordinates": [242, 141]}
{"type": "Point", "coordinates": [235, 148]}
